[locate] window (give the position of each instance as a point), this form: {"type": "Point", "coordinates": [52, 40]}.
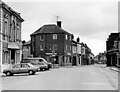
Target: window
{"type": "Point", "coordinates": [54, 47]}
{"type": "Point", "coordinates": [66, 47]}
{"type": "Point", "coordinates": [41, 63]}
{"type": "Point", "coordinates": [16, 66]}
{"type": "Point", "coordinates": [5, 30]}
{"type": "Point", "coordinates": [70, 38]}
{"type": "Point", "coordinates": [40, 60]}
{"type": "Point", "coordinates": [70, 48]}
{"type": "Point", "coordinates": [18, 33]}
{"type": "Point", "coordinates": [41, 47]}
{"type": "Point", "coordinates": [54, 36]}
{"type": "Point", "coordinates": [13, 32]}
{"type": "Point", "coordinates": [41, 38]}
{"type": "Point", "coordinates": [33, 48]}
{"type": "Point", "coordinates": [66, 37]}
{"type": "Point", "coordinates": [24, 66]}
{"type": "Point", "coordinates": [33, 39]}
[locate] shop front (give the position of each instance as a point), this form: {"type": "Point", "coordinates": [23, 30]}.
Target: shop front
{"type": "Point", "coordinates": [11, 55]}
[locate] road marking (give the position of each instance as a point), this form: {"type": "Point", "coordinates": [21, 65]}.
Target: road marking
{"type": "Point", "coordinates": [87, 83]}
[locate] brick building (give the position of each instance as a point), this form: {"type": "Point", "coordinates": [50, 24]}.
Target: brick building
{"type": "Point", "coordinates": [112, 49]}
{"type": "Point", "coordinates": [76, 50]}
{"type": "Point", "coordinates": [26, 49]}
{"type": "Point", "coordinates": [85, 54]}
{"type": "Point", "coordinates": [52, 43]}
{"type": "Point", "coordinates": [10, 36]}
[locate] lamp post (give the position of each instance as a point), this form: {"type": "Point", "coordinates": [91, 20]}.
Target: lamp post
{"type": "Point", "coordinates": [53, 59]}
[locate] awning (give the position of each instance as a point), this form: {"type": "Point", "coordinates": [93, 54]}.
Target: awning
{"type": "Point", "coordinates": [13, 46]}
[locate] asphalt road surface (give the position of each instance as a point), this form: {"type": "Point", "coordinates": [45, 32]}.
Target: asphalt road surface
{"type": "Point", "coordinates": [92, 77]}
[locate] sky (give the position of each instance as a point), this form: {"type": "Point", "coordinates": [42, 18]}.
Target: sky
{"type": "Point", "coordinates": [90, 20]}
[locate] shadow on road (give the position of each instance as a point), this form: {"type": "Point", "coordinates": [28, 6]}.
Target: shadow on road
{"type": "Point", "coordinates": [16, 75]}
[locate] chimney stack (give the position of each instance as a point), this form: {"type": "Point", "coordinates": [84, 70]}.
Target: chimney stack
{"type": "Point", "coordinates": [59, 22]}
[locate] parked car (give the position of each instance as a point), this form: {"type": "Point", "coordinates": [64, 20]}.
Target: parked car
{"type": "Point", "coordinates": [41, 65]}
{"type": "Point", "coordinates": [21, 68]}
{"type": "Point", "coordinates": [37, 60]}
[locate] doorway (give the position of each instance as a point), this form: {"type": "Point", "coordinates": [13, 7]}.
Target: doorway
{"type": "Point", "coordinates": [12, 56]}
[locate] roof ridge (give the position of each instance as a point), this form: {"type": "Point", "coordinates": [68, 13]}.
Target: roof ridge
{"type": "Point", "coordinates": [50, 28]}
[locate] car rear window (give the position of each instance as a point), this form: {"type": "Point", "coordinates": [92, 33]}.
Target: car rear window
{"type": "Point", "coordinates": [16, 66]}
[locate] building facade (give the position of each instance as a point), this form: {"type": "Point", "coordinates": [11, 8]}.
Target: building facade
{"type": "Point", "coordinates": [76, 53]}
{"type": "Point", "coordinates": [52, 43]}
{"type": "Point", "coordinates": [85, 54]}
{"type": "Point", "coordinates": [112, 49]}
{"type": "Point", "coordinates": [10, 36]}
{"type": "Point", "coordinates": [100, 58]}
{"type": "Point", "coordinates": [26, 50]}
{"type": "Point", "coordinates": [79, 53]}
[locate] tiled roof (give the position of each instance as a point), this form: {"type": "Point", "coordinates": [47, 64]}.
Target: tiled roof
{"type": "Point", "coordinates": [51, 28]}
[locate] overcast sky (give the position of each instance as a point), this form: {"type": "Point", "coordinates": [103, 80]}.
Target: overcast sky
{"type": "Point", "coordinates": [91, 20]}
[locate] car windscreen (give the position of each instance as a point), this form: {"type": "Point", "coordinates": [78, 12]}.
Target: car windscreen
{"type": "Point", "coordinates": [34, 63]}
{"type": "Point", "coordinates": [25, 61]}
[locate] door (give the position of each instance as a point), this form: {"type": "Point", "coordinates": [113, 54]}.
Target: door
{"type": "Point", "coordinates": [24, 68]}
{"type": "Point", "coordinates": [16, 68]}
{"type": "Point", "coordinates": [12, 56]}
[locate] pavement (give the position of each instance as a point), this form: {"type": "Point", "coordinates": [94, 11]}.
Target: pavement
{"type": "Point", "coordinates": [1, 74]}
{"type": "Point", "coordinates": [114, 69]}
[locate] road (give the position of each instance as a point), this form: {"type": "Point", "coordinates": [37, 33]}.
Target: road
{"type": "Point", "coordinates": [92, 77]}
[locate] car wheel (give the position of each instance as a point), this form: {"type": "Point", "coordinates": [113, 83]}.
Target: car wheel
{"type": "Point", "coordinates": [47, 69]}
{"type": "Point", "coordinates": [31, 72]}
{"type": "Point", "coordinates": [41, 69]}
{"type": "Point", "coordinates": [8, 73]}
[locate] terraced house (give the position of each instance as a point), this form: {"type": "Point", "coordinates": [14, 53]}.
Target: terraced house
{"type": "Point", "coordinates": [52, 43]}
{"type": "Point", "coordinates": [10, 36]}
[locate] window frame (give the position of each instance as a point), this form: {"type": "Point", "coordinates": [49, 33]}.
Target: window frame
{"type": "Point", "coordinates": [55, 36]}
{"type": "Point", "coordinates": [41, 38]}
{"type": "Point", "coordinates": [55, 47]}
{"type": "Point", "coordinates": [41, 47]}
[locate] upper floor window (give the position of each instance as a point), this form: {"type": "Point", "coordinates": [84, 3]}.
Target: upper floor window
{"type": "Point", "coordinates": [5, 30]}
{"type": "Point", "coordinates": [70, 48]}
{"type": "Point", "coordinates": [41, 38]}
{"type": "Point", "coordinates": [18, 33]}
{"type": "Point", "coordinates": [66, 37]}
{"type": "Point", "coordinates": [54, 36]}
{"type": "Point", "coordinates": [66, 47]}
{"type": "Point", "coordinates": [13, 32]}
{"type": "Point", "coordinates": [70, 38]}
{"type": "Point", "coordinates": [33, 39]}
{"type": "Point", "coordinates": [41, 47]}
{"type": "Point", "coordinates": [54, 47]}
{"type": "Point", "coordinates": [33, 48]}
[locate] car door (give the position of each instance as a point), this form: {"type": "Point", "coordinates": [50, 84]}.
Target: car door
{"type": "Point", "coordinates": [42, 65]}
{"type": "Point", "coordinates": [16, 68]}
{"type": "Point", "coordinates": [24, 68]}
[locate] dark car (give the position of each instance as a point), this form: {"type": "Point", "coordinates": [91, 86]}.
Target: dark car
{"type": "Point", "coordinates": [21, 68]}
